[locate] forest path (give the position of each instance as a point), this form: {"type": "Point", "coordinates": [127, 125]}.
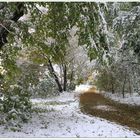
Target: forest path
{"type": "Point", "coordinates": [97, 105]}
{"type": "Point", "coordinates": [61, 116]}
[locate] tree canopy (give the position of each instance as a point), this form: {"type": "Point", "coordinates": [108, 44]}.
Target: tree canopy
{"type": "Point", "coordinates": [65, 43]}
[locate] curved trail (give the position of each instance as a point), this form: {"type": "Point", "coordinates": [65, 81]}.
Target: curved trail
{"type": "Point", "coordinates": [61, 116]}
{"type": "Point", "coordinates": [97, 105]}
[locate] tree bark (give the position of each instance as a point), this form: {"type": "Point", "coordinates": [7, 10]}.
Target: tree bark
{"type": "Point", "coordinates": [52, 72]}
{"type": "Point", "coordinates": [130, 89]}
{"type": "Point", "coordinates": [65, 77]}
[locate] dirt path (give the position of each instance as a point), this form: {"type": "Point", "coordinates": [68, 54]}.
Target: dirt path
{"type": "Point", "coordinates": [61, 116]}
{"type": "Point", "coordinates": [97, 105]}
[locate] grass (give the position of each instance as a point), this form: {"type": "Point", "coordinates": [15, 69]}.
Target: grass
{"type": "Point", "coordinates": [124, 114]}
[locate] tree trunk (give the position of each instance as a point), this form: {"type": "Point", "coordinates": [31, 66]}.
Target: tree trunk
{"type": "Point", "coordinates": [51, 70]}
{"type": "Point", "coordinates": [130, 89]}
{"type": "Point", "coordinates": [4, 27]}
{"type": "Point", "coordinates": [123, 88]}
{"type": "Point", "coordinates": [65, 77]}
{"type": "Point", "coordinates": [112, 88]}
{"type": "Point", "coordinates": [71, 77]}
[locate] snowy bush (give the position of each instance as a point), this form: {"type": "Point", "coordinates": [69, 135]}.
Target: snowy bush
{"type": "Point", "coordinates": [17, 106]}
{"type": "Point", "coordinates": [71, 86]}
{"type": "Point", "coordinates": [46, 88]}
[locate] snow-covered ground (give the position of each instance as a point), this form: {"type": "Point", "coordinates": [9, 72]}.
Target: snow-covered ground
{"type": "Point", "coordinates": [61, 117]}
{"type": "Point", "coordinates": [133, 99]}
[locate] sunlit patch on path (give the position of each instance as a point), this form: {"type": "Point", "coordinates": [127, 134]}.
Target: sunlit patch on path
{"type": "Point", "coordinates": [104, 108]}
{"type": "Point", "coordinates": [82, 88]}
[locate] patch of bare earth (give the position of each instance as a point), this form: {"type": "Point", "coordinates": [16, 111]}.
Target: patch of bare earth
{"type": "Point", "coordinates": [97, 105]}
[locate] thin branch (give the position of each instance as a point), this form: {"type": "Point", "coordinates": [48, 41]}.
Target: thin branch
{"type": "Point", "coordinates": [6, 28]}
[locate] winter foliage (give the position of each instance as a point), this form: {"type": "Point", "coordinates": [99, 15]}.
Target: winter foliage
{"type": "Point", "coordinates": [47, 48]}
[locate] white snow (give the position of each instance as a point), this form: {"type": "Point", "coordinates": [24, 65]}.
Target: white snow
{"type": "Point", "coordinates": [133, 99]}
{"type": "Point", "coordinates": [25, 17]}
{"type": "Point", "coordinates": [61, 117]}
